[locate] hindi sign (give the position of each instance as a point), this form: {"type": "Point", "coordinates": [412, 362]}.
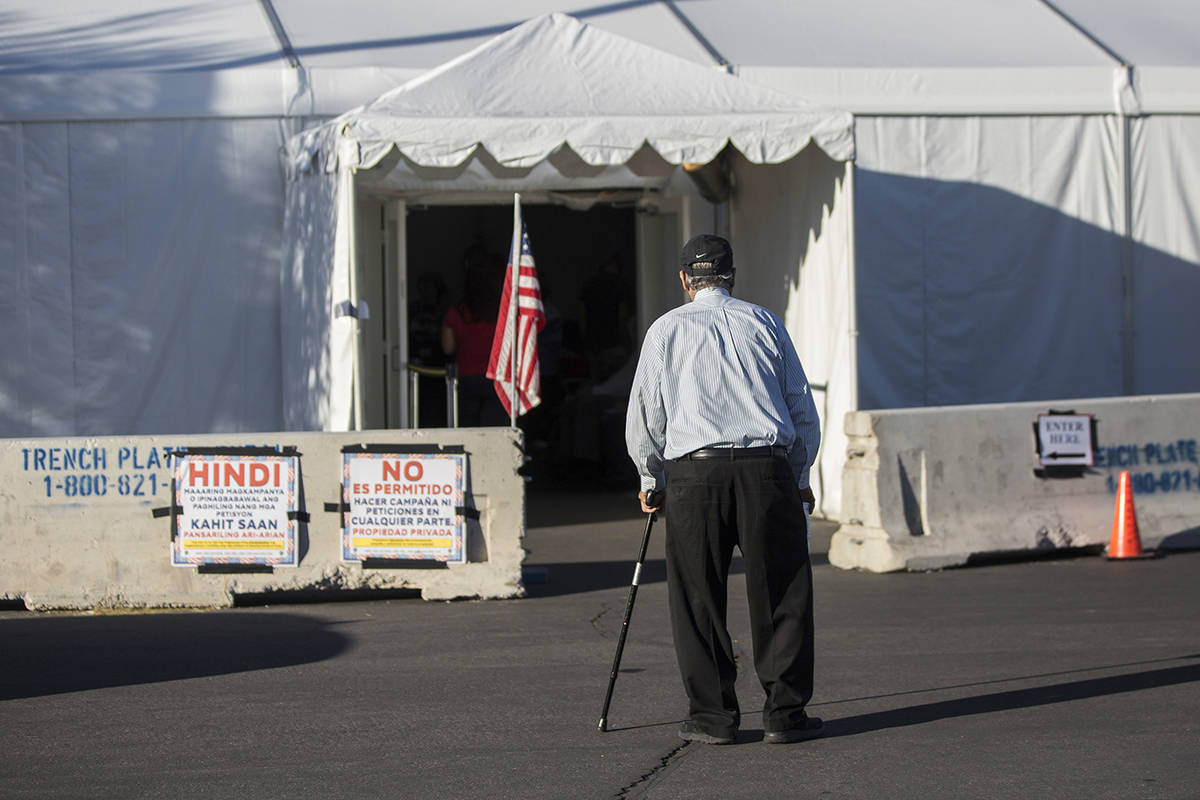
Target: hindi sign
{"type": "Point", "coordinates": [235, 509]}
{"type": "Point", "coordinates": [1065, 440]}
{"type": "Point", "coordinates": [403, 506]}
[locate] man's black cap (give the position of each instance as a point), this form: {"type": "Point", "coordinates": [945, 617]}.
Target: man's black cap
{"type": "Point", "coordinates": [706, 255]}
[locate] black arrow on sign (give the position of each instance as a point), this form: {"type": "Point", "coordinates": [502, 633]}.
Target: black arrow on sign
{"type": "Point", "coordinates": [1067, 455]}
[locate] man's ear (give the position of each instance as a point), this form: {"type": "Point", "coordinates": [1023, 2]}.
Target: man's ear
{"type": "Point", "coordinates": [683, 280]}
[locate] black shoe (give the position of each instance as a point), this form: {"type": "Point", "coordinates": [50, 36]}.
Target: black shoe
{"type": "Point", "coordinates": [690, 733]}
{"type": "Point", "coordinates": [811, 729]}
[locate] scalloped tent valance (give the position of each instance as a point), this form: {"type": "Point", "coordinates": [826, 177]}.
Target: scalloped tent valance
{"type": "Point", "coordinates": [554, 83]}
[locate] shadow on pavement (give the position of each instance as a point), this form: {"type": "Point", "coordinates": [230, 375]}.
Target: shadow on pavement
{"type": "Point", "coordinates": [591, 576]}
{"type": "Point", "coordinates": [547, 508]}
{"type": "Point", "coordinates": [1018, 698]}
{"type": "Point", "coordinates": [69, 654]}
{"type": "Point", "coordinates": [556, 580]}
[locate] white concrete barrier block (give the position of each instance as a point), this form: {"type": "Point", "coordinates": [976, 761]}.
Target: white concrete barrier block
{"type": "Point", "coordinates": [859, 547]}
{"type": "Point", "coordinates": [77, 530]}
{"type": "Point", "coordinates": [934, 487]}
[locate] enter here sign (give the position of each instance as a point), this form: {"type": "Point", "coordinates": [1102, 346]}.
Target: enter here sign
{"type": "Point", "coordinates": [1065, 439]}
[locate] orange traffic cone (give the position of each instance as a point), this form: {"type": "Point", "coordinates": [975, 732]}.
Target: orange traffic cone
{"type": "Point", "coordinates": [1125, 543]}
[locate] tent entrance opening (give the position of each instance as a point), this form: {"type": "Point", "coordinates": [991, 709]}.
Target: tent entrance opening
{"type": "Point", "coordinates": [587, 268]}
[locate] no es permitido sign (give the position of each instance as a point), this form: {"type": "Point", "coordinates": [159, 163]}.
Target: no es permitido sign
{"type": "Point", "coordinates": [403, 506]}
{"type": "Point", "coordinates": [235, 510]}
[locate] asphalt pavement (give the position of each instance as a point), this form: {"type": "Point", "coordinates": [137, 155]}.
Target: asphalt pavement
{"type": "Point", "coordinates": [1064, 678]}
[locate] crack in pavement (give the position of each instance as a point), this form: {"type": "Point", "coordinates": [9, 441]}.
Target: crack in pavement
{"type": "Point", "coordinates": [604, 609]}
{"type": "Point", "coordinates": [642, 786]}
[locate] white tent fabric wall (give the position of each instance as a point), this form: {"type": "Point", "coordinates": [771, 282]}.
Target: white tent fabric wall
{"type": "Point", "coordinates": [140, 289]}
{"type": "Point", "coordinates": [989, 259]}
{"type": "Point", "coordinates": [309, 232]}
{"type": "Point", "coordinates": [990, 255]}
{"type": "Point", "coordinates": [1166, 255]}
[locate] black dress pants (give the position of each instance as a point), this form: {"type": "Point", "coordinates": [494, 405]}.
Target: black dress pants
{"type": "Point", "coordinates": [712, 505]}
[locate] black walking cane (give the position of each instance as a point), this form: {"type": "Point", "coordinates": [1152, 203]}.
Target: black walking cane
{"type": "Point", "coordinates": [651, 500]}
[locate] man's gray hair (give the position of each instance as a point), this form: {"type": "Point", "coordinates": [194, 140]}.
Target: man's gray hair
{"type": "Point", "coordinates": [697, 282]}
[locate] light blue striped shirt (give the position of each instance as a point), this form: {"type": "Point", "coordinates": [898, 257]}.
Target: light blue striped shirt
{"type": "Point", "coordinates": [719, 372]}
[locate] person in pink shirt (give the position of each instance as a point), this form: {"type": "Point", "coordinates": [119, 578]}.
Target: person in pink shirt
{"type": "Point", "coordinates": [467, 331]}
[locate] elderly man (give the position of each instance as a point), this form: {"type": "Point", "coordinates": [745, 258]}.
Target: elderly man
{"type": "Point", "coordinates": [722, 420]}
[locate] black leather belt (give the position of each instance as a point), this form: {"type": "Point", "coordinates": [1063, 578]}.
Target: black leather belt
{"type": "Point", "coordinates": [734, 453]}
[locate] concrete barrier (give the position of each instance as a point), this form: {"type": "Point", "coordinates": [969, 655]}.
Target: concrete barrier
{"type": "Point", "coordinates": [76, 528]}
{"type": "Point", "coordinates": [936, 487]}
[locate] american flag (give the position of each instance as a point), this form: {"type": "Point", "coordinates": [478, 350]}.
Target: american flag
{"type": "Point", "coordinates": [525, 315]}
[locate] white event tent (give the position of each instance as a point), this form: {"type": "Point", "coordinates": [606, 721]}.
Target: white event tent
{"type": "Point", "coordinates": [1018, 222]}
{"type": "Point", "coordinates": [552, 109]}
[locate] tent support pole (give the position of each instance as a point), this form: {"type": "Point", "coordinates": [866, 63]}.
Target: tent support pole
{"type": "Point", "coordinates": [357, 380]}
{"type": "Point", "coordinates": [513, 306]}
{"type": "Point", "coordinates": [1125, 120]}
{"type": "Point", "coordinates": [852, 288]}
{"type": "Point", "coordinates": [1128, 384]}
{"type": "Point", "coordinates": [396, 263]}
{"type": "Point", "coordinates": [347, 168]}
